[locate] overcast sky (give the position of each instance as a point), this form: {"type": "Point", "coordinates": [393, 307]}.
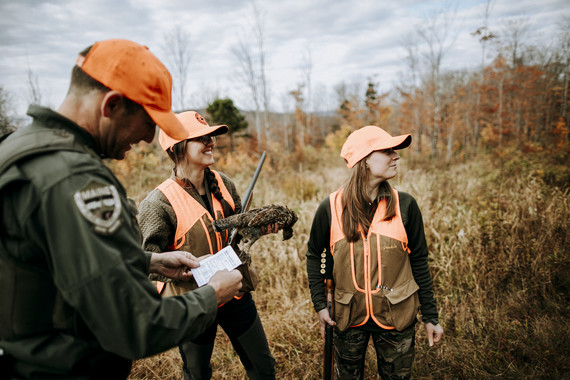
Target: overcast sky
{"type": "Point", "coordinates": [348, 40]}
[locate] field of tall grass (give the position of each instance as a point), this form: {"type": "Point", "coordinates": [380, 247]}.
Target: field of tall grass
{"type": "Point", "coordinates": [498, 230]}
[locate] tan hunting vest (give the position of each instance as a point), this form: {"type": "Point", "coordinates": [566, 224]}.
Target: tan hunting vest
{"type": "Point", "coordinates": [373, 276]}
{"type": "Point", "coordinates": [195, 234]}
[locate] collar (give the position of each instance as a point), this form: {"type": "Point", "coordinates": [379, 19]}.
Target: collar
{"type": "Point", "coordinates": [51, 119]}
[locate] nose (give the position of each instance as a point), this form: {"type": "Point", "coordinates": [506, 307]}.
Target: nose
{"type": "Point", "coordinates": [395, 155]}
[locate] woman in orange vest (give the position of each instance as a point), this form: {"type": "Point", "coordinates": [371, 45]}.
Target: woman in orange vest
{"type": "Point", "coordinates": [370, 240]}
{"type": "Point", "coordinates": [178, 215]}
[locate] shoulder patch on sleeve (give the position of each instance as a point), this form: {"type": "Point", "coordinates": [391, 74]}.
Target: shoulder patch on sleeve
{"type": "Point", "coordinates": [101, 205]}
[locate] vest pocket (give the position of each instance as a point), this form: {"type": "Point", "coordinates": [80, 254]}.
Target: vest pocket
{"type": "Point", "coordinates": [342, 308]}
{"type": "Point", "coordinates": [403, 305]}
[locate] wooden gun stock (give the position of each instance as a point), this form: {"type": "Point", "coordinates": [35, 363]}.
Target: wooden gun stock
{"type": "Point", "coordinates": [329, 347]}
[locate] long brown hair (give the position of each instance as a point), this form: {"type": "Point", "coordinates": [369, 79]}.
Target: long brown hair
{"type": "Point", "coordinates": [355, 202]}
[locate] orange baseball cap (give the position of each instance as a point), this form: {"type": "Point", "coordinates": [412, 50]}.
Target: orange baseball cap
{"type": "Point", "coordinates": [366, 140]}
{"type": "Point", "coordinates": [194, 125]}
{"type": "Point", "coordinates": [135, 72]}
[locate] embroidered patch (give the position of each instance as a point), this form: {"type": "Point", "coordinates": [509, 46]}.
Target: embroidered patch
{"type": "Point", "coordinates": [100, 204]}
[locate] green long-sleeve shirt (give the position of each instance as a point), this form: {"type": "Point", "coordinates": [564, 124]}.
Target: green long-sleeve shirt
{"type": "Point", "coordinates": [73, 277]}
{"type": "Point", "coordinates": [319, 241]}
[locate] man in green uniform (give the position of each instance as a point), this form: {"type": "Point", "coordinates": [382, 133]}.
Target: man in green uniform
{"type": "Point", "coordinates": [75, 300]}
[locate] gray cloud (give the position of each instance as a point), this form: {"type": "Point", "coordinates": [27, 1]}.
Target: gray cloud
{"type": "Point", "coordinates": [348, 40]}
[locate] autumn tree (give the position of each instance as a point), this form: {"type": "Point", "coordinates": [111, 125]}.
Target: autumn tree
{"type": "Point", "coordinates": [223, 111]}
{"type": "Point", "coordinates": [177, 48]}
{"type": "Point", "coordinates": [485, 35]}
{"type": "Point", "coordinates": [349, 104]}
{"type": "Point", "coordinates": [562, 71]}
{"type": "Point", "coordinates": [435, 33]}
{"type": "Point", "coordinates": [372, 103]}
{"type": "Point", "coordinates": [411, 94]}
{"type": "Point", "coordinates": [519, 99]}
{"type": "Point", "coordinates": [306, 68]}
{"type": "Point", "coordinates": [251, 71]}
{"type": "Point", "coordinates": [300, 115]}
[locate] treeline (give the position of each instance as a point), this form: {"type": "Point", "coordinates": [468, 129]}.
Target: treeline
{"type": "Point", "coordinates": [519, 100]}
{"type": "Point", "coordinates": [506, 104]}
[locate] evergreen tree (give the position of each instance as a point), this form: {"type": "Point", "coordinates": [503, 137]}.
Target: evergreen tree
{"type": "Point", "coordinates": [223, 111]}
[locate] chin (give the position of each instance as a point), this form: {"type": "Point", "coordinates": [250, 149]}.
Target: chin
{"type": "Point", "coordinates": [118, 155]}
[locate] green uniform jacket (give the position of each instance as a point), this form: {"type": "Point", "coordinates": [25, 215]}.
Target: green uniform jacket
{"type": "Point", "coordinates": [73, 275]}
{"type": "Point", "coordinates": [319, 242]}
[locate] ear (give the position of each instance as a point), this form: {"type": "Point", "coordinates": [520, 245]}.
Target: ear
{"type": "Point", "coordinates": [112, 102]}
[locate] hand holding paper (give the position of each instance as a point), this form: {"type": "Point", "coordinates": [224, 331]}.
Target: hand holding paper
{"type": "Point", "coordinates": [224, 259]}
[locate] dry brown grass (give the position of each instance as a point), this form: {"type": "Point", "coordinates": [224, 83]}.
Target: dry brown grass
{"type": "Point", "coordinates": [498, 236]}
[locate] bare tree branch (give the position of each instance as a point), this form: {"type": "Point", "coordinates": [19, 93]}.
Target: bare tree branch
{"type": "Point", "coordinates": [177, 48]}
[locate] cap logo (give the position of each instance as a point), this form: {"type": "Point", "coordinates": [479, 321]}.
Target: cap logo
{"type": "Point", "coordinates": [200, 119]}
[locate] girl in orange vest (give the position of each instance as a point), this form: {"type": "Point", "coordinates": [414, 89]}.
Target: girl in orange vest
{"type": "Point", "coordinates": [370, 240]}
{"type": "Point", "coordinates": [178, 215]}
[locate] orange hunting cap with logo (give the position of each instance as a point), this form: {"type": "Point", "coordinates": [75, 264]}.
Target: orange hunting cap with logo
{"type": "Point", "coordinates": [366, 140]}
{"type": "Point", "coordinates": [135, 72]}
{"type": "Point", "coordinates": [194, 125]}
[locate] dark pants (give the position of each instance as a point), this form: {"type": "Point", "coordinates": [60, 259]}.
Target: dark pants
{"type": "Point", "coordinates": [242, 325]}
{"type": "Point", "coordinates": [394, 351]}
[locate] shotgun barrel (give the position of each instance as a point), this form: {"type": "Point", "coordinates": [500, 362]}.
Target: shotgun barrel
{"type": "Point", "coordinates": [246, 200]}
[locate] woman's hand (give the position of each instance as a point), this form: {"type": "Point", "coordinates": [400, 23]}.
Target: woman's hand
{"type": "Point", "coordinates": [325, 319]}
{"type": "Point", "coordinates": [434, 332]}
{"type": "Point", "coordinates": [270, 229]}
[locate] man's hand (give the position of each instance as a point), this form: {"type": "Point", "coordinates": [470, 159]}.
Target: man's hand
{"type": "Point", "coordinates": [175, 264]}
{"type": "Point", "coordinates": [325, 319]}
{"type": "Point", "coordinates": [226, 284]}
{"type": "Point", "coordinates": [434, 333]}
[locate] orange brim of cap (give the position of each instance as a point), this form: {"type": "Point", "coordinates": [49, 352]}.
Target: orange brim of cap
{"type": "Point", "coordinates": [214, 130]}
{"type": "Point", "coordinates": [396, 142]}
{"type": "Point", "coordinates": [193, 125]}
{"type": "Point", "coordinates": [368, 139]}
{"type": "Point", "coordinates": [167, 122]}
{"type": "Point", "coordinates": [167, 142]}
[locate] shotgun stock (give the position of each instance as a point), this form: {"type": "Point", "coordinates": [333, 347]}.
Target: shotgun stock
{"type": "Point", "coordinates": [329, 348]}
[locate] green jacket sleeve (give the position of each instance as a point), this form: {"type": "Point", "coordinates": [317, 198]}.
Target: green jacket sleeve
{"type": "Point", "coordinates": [319, 242]}
{"type": "Point", "coordinates": [413, 222]}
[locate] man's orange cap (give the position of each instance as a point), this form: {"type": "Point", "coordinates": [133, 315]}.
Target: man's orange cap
{"type": "Point", "coordinates": [194, 126]}
{"type": "Point", "coordinates": [366, 140]}
{"type": "Point", "coordinates": [135, 72]}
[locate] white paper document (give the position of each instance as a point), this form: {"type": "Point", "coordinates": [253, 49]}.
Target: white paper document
{"type": "Point", "coordinates": [224, 259]}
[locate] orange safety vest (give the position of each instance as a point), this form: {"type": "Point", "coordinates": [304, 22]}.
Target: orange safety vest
{"type": "Point", "coordinates": [373, 276]}
{"type": "Point", "coordinates": [194, 222]}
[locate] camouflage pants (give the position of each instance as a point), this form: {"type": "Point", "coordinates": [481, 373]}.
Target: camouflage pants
{"type": "Point", "coordinates": [394, 352]}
